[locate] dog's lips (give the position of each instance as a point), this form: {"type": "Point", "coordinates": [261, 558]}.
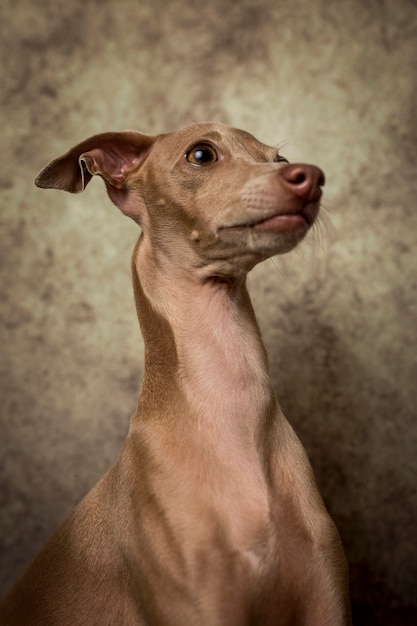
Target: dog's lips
{"type": "Point", "coordinates": [278, 222]}
{"type": "Point", "coordinates": [282, 223]}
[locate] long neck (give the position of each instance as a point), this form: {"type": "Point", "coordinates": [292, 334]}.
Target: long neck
{"type": "Point", "coordinates": [204, 356]}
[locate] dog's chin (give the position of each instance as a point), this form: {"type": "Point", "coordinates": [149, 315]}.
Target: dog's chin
{"type": "Point", "coordinates": [275, 236]}
{"type": "Point", "coordinates": [234, 251]}
{"type": "Point", "coordinates": [243, 250]}
{"type": "Point", "coordinates": [279, 244]}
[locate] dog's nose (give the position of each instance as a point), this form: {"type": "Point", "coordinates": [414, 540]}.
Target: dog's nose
{"type": "Point", "coordinates": [304, 181]}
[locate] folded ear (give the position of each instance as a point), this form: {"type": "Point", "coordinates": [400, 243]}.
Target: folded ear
{"type": "Point", "coordinates": [113, 156]}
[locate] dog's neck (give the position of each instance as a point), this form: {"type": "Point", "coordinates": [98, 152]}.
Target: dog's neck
{"type": "Point", "coordinates": [202, 344]}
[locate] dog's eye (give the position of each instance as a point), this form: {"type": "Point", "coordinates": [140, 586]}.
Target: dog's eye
{"type": "Point", "coordinates": [201, 155]}
{"type": "Point", "coordinates": [280, 159]}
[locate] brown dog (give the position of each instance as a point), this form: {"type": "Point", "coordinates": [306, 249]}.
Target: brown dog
{"type": "Point", "coordinates": [211, 515]}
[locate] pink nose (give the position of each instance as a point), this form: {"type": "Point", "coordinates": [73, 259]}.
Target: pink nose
{"type": "Point", "coordinates": [305, 181]}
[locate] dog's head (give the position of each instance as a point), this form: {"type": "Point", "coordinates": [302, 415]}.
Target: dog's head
{"type": "Point", "coordinates": [211, 196]}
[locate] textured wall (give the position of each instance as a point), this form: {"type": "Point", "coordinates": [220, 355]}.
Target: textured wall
{"type": "Point", "coordinates": [336, 82]}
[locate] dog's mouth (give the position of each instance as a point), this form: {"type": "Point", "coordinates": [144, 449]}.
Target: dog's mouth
{"type": "Point", "coordinates": [278, 222]}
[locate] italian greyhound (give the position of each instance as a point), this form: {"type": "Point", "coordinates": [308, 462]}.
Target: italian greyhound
{"type": "Point", "coordinates": [211, 515]}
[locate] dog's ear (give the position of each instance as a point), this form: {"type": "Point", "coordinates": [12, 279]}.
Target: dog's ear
{"type": "Point", "coordinates": [113, 156]}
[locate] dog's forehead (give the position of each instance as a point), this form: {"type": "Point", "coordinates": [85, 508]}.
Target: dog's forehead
{"type": "Point", "coordinates": [222, 136]}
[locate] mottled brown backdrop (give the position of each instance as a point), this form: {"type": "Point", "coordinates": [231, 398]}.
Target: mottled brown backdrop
{"type": "Point", "coordinates": [335, 82]}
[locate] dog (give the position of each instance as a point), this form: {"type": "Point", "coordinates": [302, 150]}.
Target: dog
{"type": "Point", "coordinates": [211, 514]}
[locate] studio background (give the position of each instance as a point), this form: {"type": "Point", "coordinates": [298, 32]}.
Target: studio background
{"type": "Point", "coordinates": [334, 83]}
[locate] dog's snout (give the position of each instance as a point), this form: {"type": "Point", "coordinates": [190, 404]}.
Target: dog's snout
{"type": "Point", "coordinates": [304, 181]}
